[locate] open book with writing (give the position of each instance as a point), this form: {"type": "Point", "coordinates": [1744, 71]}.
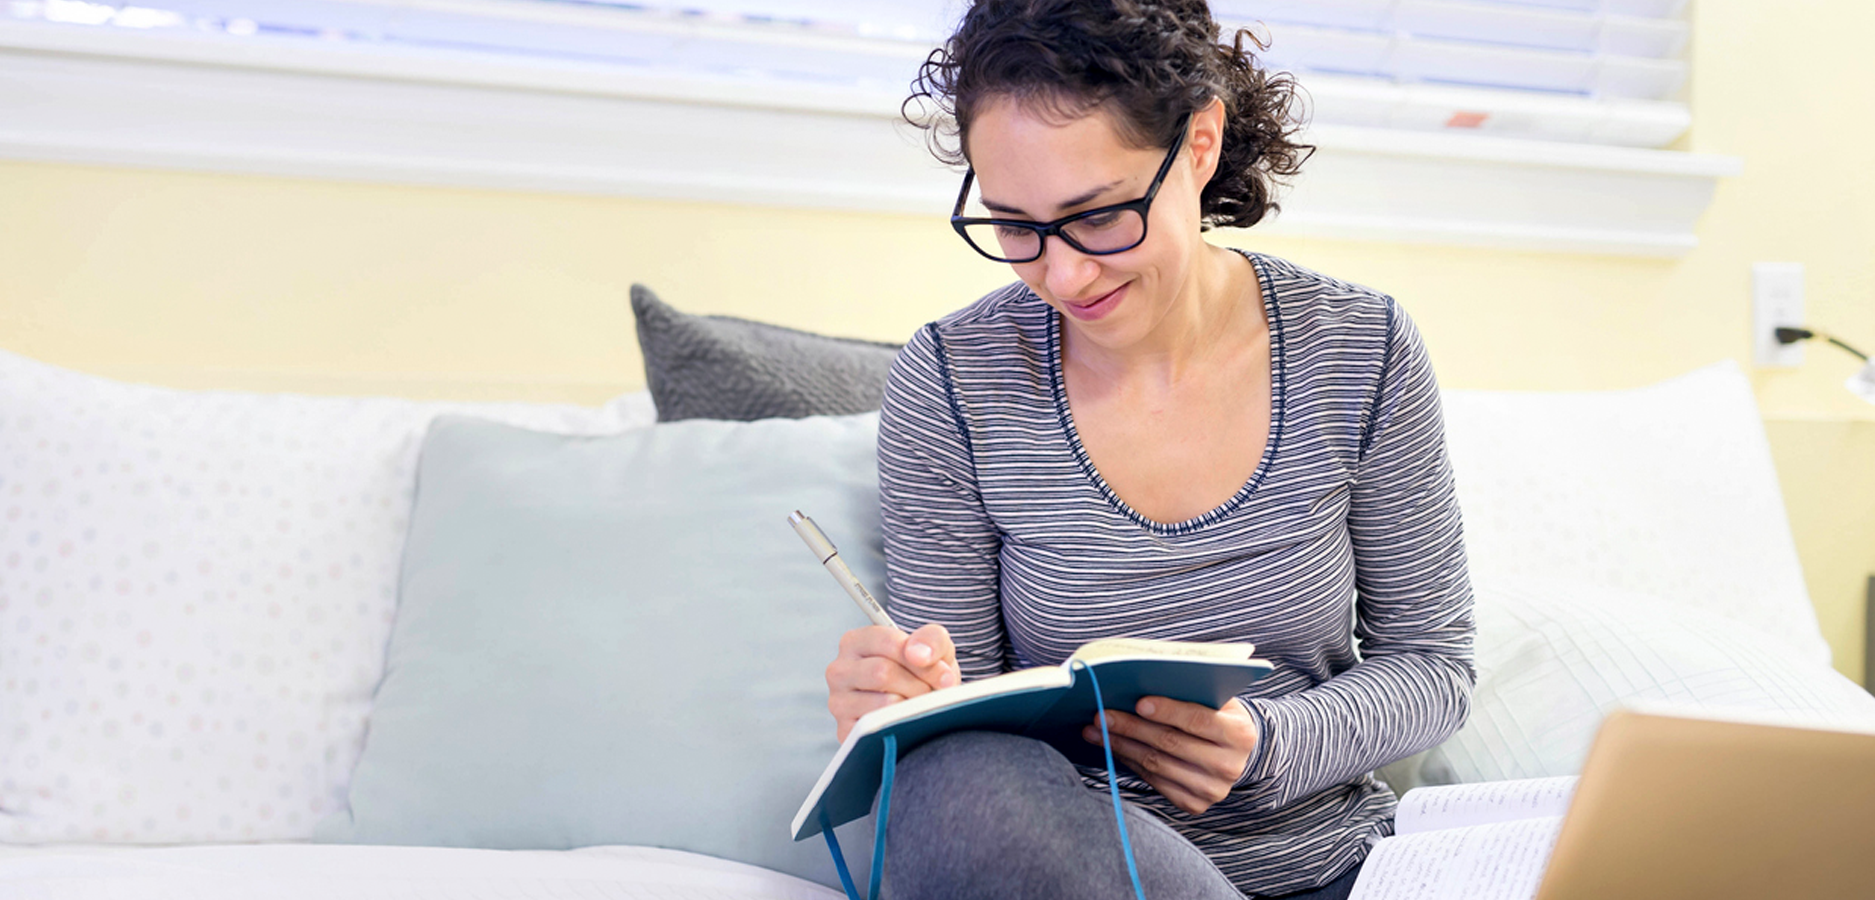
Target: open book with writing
{"type": "Point", "coordinates": [1486, 841]}
{"type": "Point", "coordinates": [1049, 703]}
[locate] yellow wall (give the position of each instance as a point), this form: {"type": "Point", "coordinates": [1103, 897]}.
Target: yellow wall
{"type": "Point", "coordinates": [261, 283]}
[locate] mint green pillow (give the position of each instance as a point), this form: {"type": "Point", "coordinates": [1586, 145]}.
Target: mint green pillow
{"type": "Point", "coordinates": [618, 640]}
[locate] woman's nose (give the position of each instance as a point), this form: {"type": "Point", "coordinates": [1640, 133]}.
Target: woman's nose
{"type": "Point", "coordinates": [1069, 270]}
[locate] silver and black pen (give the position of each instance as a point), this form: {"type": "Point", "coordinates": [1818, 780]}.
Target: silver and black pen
{"type": "Point", "coordinates": [830, 560]}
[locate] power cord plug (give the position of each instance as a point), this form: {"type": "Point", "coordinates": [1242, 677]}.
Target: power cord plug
{"type": "Point", "coordinates": [1787, 335]}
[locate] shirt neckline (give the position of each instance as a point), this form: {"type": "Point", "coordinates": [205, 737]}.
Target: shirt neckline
{"type": "Point", "coordinates": [1272, 312]}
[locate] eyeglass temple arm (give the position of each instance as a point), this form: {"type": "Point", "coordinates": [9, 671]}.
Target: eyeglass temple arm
{"type": "Point", "coordinates": [970, 175]}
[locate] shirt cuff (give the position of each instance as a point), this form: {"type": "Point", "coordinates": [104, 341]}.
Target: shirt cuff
{"type": "Point", "coordinates": [1254, 768]}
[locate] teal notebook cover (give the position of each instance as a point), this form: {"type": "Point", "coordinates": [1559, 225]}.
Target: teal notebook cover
{"type": "Point", "coordinates": [1050, 704]}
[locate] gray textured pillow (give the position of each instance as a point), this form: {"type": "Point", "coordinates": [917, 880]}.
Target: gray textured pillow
{"type": "Point", "coordinates": [719, 367]}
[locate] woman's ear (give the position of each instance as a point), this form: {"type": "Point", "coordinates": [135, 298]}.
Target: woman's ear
{"type": "Point", "coordinates": [1206, 140]}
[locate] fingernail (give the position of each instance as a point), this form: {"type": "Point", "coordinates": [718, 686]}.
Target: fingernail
{"type": "Point", "coordinates": [1145, 707]}
{"type": "Point", "coordinates": [948, 679]}
{"type": "Point", "coordinates": [918, 653]}
{"type": "Point", "coordinates": [1090, 735]}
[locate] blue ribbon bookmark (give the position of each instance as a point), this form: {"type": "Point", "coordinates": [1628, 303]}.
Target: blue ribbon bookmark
{"type": "Point", "coordinates": [1113, 782]}
{"type": "Point", "coordinates": [885, 806]}
{"type": "Point", "coordinates": [889, 767]}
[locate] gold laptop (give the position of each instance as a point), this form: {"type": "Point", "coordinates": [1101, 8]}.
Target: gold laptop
{"type": "Point", "coordinates": [1671, 807]}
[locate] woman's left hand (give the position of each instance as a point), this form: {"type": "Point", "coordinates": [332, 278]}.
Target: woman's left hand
{"type": "Point", "coordinates": [1190, 753]}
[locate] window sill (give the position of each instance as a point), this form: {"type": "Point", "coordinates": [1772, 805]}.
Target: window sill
{"type": "Point", "coordinates": [204, 104]}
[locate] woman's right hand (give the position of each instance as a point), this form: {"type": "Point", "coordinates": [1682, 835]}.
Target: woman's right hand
{"type": "Point", "coordinates": [879, 666]}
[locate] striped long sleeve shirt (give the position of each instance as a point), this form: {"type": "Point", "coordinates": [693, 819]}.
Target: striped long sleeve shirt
{"type": "Point", "coordinates": [1341, 558]}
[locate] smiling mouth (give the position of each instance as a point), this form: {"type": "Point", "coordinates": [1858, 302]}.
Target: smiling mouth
{"type": "Point", "coordinates": [1097, 307]}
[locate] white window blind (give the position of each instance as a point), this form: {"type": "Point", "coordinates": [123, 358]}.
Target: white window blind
{"type": "Point", "coordinates": [1479, 122]}
{"type": "Point", "coordinates": [863, 46]}
{"type": "Point", "coordinates": [1592, 71]}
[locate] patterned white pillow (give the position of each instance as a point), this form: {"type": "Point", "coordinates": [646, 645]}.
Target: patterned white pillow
{"type": "Point", "coordinates": [1662, 491]}
{"type": "Point", "coordinates": [195, 593]}
{"type": "Point", "coordinates": [1553, 659]}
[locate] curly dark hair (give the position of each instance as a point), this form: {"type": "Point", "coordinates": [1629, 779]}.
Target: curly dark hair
{"type": "Point", "coordinates": [1148, 62]}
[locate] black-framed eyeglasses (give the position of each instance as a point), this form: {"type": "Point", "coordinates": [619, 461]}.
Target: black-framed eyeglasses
{"type": "Point", "coordinates": [1101, 231]}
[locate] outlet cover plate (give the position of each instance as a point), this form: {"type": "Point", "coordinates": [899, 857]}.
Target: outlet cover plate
{"type": "Point", "coordinates": [1776, 301]}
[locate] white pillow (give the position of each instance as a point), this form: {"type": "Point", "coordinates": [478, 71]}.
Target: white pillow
{"type": "Point", "coordinates": [1554, 659]}
{"type": "Point", "coordinates": [195, 593]}
{"type": "Point", "coordinates": [1663, 491]}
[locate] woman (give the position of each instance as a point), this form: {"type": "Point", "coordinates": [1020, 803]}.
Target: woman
{"type": "Point", "coordinates": [1151, 436]}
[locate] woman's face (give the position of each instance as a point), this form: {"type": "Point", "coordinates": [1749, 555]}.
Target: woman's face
{"type": "Point", "coordinates": [1030, 166]}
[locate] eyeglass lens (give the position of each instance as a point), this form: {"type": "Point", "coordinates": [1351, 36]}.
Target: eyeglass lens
{"type": "Point", "coordinates": [1111, 231]}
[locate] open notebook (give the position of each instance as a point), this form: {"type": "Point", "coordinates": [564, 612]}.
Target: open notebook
{"type": "Point", "coordinates": [1470, 841]}
{"type": "Point", "coordinates": [1048, 703]}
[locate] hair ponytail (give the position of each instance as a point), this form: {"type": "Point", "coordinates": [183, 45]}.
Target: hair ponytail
{"type": "Point", "coordinates": [1259, 153]}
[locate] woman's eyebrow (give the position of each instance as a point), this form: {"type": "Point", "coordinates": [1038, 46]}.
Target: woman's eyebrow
{"type": "Point", "coordinates": [1070, 203]}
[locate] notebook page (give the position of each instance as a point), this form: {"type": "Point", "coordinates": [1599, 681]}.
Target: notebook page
{"type": "Point", "coordinates": [1499, 861]}
{"type": "Point", "coordinates": [1459, 805]}
{"type": "Point", "coordinates": [1143, 648]}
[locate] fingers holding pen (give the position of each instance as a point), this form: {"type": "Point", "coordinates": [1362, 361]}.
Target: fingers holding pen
{"type": "Point", "coordinates": [929, 653]}
{"type": "Point", "coordinates": [875, 668]}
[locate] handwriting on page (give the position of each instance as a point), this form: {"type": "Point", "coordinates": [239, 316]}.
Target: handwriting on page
{"type": "Point", "coordinates": [1500, 861]}
{"type": "Point", "coordinates": [1459, 805]}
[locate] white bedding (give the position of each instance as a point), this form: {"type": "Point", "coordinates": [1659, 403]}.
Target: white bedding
{"type": "Point", "coordinates": [338, 872]}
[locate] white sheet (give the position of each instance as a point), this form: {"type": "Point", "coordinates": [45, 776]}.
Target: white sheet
{"type": "Point", "coordinates": [338, 872]}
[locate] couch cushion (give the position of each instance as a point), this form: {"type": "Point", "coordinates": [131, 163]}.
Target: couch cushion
{"type": "Point", "coordinates": [196, 588]}
{"type": "Point", "coordinates": [618, 640]}
{"type": "Point", "coordinates": [718, 367]}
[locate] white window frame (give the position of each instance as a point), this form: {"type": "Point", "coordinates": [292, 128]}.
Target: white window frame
{"type": "Point", "coordinates": [206, 103]}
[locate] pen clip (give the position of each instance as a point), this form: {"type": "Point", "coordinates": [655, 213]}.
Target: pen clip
{"type": "Point", "coordinates": [815, 539]}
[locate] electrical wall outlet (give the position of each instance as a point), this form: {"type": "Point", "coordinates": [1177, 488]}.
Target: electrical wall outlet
{"type": "Point", "coordinates": [1776, 301]}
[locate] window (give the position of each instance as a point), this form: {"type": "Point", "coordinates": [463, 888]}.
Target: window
{"type": "Point", "coordinates": [797, 102]}
{"type": "Point", "coordinates": [1567, 70]}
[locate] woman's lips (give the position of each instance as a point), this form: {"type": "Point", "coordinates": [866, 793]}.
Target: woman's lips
{"type": "Point", "coordinates": [1099, 307]}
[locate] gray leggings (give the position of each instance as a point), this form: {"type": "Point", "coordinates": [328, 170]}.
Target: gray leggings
{"type": "Point", "coordinates": [978, 814]}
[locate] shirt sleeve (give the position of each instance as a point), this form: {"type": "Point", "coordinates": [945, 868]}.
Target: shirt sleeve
{"type": "Point", "coordinates": [941, 548]}
{"type": "Point", "coordinates": [1413, 611]}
